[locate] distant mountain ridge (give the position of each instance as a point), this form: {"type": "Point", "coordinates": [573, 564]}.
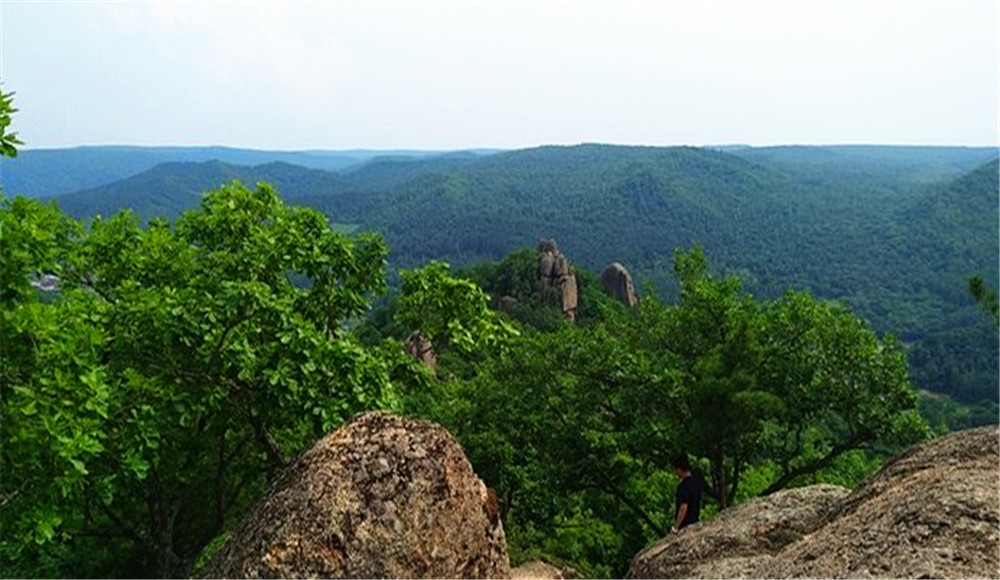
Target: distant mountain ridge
{"type": "Point", "coordinates": [55, 172]}
{"type": "Point", "coordinates": [169, 189]}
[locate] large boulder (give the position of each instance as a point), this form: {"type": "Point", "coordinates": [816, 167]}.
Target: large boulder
{"type": "Point", "coordinates": [733, 542]}
{"type": "Point", "coordinates": [933, 512]}
{"type": "Point", "coordinates": [617, 283]}
{"type": "Point", "coordinates": [381, 497]}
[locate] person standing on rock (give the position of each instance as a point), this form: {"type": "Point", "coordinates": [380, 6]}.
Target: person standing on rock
{"type": "Point", "coordinates": [688, 500]}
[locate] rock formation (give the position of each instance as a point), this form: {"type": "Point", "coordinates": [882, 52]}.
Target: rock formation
{"type": "Point", "coordinates": [617, 283]}
{"type": "Point", "coordinates": [507, 304]}
{"type": "Point", "coordinates": [569, 297]}
{"type": "Point", "coordinates": [557, 276]}
{"type": "Point", "coordinates": [933, 512]}
{"type": "Point", "coordinates": [420, 348]}
{"type": "Point", "coordinates": [381, 497]}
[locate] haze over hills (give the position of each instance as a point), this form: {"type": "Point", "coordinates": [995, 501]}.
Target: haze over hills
{"type": "Point", "coordinates": [895, 232]}
{"type": "Point", "coordinates": [54, 172]}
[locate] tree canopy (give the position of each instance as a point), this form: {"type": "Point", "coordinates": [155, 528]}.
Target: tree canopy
{"type": "Point", "coordinates": [576, 426]}
{"type": "Point", "coordinates": [148, 400]}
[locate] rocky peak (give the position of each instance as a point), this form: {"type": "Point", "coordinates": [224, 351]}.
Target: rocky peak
{"type": "Point", "coordinates": [381, 497]}
{"type": "Point", "coordinates": [558, 277]}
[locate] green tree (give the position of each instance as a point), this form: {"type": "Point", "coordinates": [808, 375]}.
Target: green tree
{"type": "Point", "coordinates": [842, 388]}
{"type": "Point", "coordinates": [565, 427]}
{"type": "Point", "coordinates": [451, 312]}
{"type": "Point", "coordinates": [8, 139]}
{"type": "Point", "coordinates": [793, 380]}
{"type": "Point", "coordinates": [147, 403]}
{"type": "Point", "coordinates": [714, 333]}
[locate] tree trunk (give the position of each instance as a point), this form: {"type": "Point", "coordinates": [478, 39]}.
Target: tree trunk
{"type": "Point", "coordinates": [719, 480]}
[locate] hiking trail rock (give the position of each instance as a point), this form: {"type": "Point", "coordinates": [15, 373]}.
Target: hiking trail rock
{"type": "Point", "coordinates": [731, 543]}
{"type": "Point", "coordinates": [381, 497]}
{"type": "Point", "coordinates": [932, 512]}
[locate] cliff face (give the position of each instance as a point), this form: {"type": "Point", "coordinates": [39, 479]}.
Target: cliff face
{"type": "Point", "coordinates": [381, 497]}
{"type": "Point", "coordinates": [933, 512]}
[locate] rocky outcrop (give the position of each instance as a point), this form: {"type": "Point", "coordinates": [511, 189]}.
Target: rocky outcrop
{"type": "Point", "coordinates": [421, 349]}
{"type": "Point", "coordinates": [933, 512]}
{"type": "Point", "coordinates": [557, 276]}
{"type": "Point", "coordinates": [735, 540]}
{"type": "Point", "coordinates": [382, 497]}
{"type": "Point", "coordinates": [617, 283]}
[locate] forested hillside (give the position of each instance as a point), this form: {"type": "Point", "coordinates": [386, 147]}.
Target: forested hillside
{"type": "Point", "coordinates": [170, 189]}
{"type": "Point", "coordinates": [895, 232]}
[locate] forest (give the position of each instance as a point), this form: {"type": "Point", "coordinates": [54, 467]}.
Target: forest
{"type": "Point", "coordinates": [182, 363]}
{"type": "Point", "coordinates": [894, 233]}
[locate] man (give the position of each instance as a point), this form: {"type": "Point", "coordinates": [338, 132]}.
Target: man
{"type": "Point", "coordinates": [688, 503]}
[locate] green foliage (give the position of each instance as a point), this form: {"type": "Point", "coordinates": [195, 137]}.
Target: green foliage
{"type": "Point", "coordinates": [146, 404]}
{"type": "Point", "coordinates": [575, 428]}
{"type": "Point", "coordinates": [450, 312]}
{"type": "Point", "coordinates": [36, 240]}
{"type": "Point", "coordinates": [540, 426]}
{"type": "Point", "coordinates": [8, 138]}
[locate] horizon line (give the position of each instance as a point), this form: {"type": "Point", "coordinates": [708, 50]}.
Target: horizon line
{"type": "Point", "coordinates": [731, 145]}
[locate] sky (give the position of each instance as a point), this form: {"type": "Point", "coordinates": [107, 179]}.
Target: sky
{"type": "Point", "coordinates": [478, 74]}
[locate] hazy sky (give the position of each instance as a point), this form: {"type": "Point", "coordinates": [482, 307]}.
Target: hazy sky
{"type": "Point", "coordinates": [448, 75]}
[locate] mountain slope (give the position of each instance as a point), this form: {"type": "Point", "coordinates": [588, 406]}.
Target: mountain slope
{"type": "Point", "coordinates": [867, 165]}
{"type": "Point", "coordinates": [171, 188]}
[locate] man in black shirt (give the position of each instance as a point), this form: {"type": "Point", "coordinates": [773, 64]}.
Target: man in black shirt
{"type": "Point", "coordinates": [688, 504]}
